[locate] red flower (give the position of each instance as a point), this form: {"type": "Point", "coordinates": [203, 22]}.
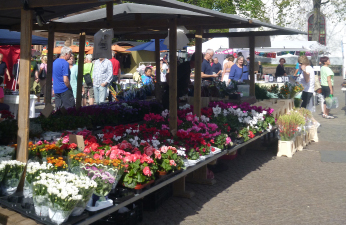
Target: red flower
{"type": "Point", "coordinates": [251, 134]}
{"type": "Point", "coordinates": [146, 171]}
{"type": "Point", "coordinates": [72, 146]}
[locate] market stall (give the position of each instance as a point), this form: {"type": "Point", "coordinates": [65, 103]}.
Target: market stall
{"type": "Point", "coordinates": [139, 22]}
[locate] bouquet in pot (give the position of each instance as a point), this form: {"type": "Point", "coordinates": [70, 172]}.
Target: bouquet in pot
{"type": "Point", "coordinates": [40, 196]}
{"type": "Point", "coordinates": [104, 177]}
{"type": "Point", "coordinates": [13, 172]}
{"type": "Point", "coordinates": [167, 159]}
{"type": "Point", "coordinates": [74, 160]}
{"type": "Point", "coordinates": [86, 188]}
{"type": "Point", "coordinates": [62, 199]}
{"type": "Point", "coordinates": [33, 170]}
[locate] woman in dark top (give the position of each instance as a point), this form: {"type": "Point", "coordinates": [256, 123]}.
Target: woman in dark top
{"type": "Point", "coordinates": [280, 69]}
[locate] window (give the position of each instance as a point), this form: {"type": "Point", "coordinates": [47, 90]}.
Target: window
{"type": "Point", "coordinates": [322, 34]}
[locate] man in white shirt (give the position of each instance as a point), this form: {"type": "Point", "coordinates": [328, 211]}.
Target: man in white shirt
{"type": "Point", "coordinates": [102, 76]}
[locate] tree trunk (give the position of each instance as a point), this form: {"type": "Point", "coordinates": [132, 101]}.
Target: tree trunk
{"type": "Point", "coordinates": [316, 24]}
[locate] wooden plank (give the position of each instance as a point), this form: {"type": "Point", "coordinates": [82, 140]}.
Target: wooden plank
{"type": "Point", "coordinates": [252, 65]}
{"type": "Point", "coordinates": [16, 218]}
{"type": "Point", "coordinates": [6, 212]}
{"type": "Point", "coordinates": [48, 94]}
{"type": "Point", "coordinates": [200, 177]}
{"type": "Point", "coordinates": [27, 222]}
{"type": "Point", "coordinates": [173, 104]}
{"type": "Point", "coordinates": [158, 70]}
{"type": "Point", "coordinates": [24, 92]}
{"type": "Point", "coordinates": [109, 8]}
{"type": "Point", "coordinates": [198, 71]}
{"type": "Point", "coordinates": [179, 189]}
{"type": "Point", "coordinates": [80, 70]}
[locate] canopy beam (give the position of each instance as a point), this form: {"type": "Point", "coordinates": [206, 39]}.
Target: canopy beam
{"type": "Point", "coordinates": [48, 93]}
{"type": "Point", "coordinates": [198, 72]}
{"type": "Point", "coordinates": [252, 65]}
{"type": "Point", "coordinates": [173, 93]}
{"type": "Point", "coordinates": [80, 70]}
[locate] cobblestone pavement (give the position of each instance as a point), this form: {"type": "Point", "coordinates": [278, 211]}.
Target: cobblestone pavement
{"type": "Point", "coordinates": [259, 188]}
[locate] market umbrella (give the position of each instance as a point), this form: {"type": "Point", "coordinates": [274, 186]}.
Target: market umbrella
{"type": "Point", "coordinates": [13, 38]}
{"type": "Point", "coordinates": [149, 46]}
{"type": "Point", "coordinates": [117, 48]}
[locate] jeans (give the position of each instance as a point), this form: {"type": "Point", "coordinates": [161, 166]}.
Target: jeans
{"type": "Point", "coordinates": [64, 99]}
{"type": "Point", "coordinates": [100, 94]}
{"type": "Point", "coordinates": [113, 84]}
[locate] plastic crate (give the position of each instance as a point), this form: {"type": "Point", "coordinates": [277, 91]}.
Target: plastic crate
{"type": "Point", "coordinates": [132, 217]}
{"type": "Point", "coordinates": [154, 200]}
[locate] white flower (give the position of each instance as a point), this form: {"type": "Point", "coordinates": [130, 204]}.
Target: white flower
{"type": "Point", "coordinates": [165, 113]}
{"type": "Point", "coordinates": [216, 110]}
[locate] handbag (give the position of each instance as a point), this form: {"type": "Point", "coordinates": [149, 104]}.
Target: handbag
{"type": "Point", "coordinates": [43, 75]}
{"type": "Point", "coordinates": [87, 77]}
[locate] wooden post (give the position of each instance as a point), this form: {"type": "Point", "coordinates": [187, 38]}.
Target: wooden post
{"type": "Point", "coordinates": [80, 70]}
{"type": "Point", "coordinates": [48, 94]}
{"type": "Point", "coordinates": [173, 107]}
{"type": "Point", "coordinates": [158, 70]}
{"type": "Point", "coordinates": [24, 91]}
{"type": "Point", "coordinates": [198, 71]}
{"type": "Point", "coordinates": [252, 64]}
{"type": "Point", "coordinates": [109, 9]}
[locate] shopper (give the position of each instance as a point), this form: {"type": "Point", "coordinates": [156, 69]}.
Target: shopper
{"type": "Point", "coordinates": [207, 72]}
{"type": "Point", "coordinates": [216, 67]}
{"type": "Point", "coordinates": [61, 76]}
{"type": "Point", "coordinates": [3, 106]}
{"type": "Point", "coordinates": [116, 74]}
{"type": "Point", "coordinates": [42, 75]}
{"type": "Point", "coordinates": [35, 87]}
{"type": "Point", "coordinates": [74, 75]}
{"type": "Point", "coordinates": [88, 88]}
{"type": "Point", "coordinates": [239, 71]}
{"type": "Point", "coordinates": [3, 68]}
{"type": "Point", "coordinates": [327, 83]}
{"type": "Point", "coordinates": [227, 68]}
{"type": "Point", "coordinates": [102, 76]}
{"type": "Point", "coordinates": [280, 69]}
{"type": "Point", "coordinates": [307, 80]}
{"type": "Point", "coordinates": [147, 76]}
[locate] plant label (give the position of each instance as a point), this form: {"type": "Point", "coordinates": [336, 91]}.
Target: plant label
{"type": "Point", "coordinates": [78, 140]}
{"type": "Point", "coordinates": [47, 110]}
{"type": "Point", "coordinates": [279, 79]}
{"type": "Point", "coordinates": [271, 79]}
{"type": "Point", "coordinates": [287, 79]}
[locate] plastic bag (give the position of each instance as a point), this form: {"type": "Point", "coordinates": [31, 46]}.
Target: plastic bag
{"type": "Point", "coordinates": [332, 102]}
{"type": "Point", "coordinates": [310, 106]}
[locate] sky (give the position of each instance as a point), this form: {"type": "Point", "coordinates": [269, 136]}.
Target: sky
{"type": "Point", "coordinates": [335, 30]}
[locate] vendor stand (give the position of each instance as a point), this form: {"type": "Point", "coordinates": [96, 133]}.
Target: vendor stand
{"type": "Point", "coordinates": [136, 26]}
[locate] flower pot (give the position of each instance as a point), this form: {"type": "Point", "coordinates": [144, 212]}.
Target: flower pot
{"type": "Point", "coordinates": [162, 173]}
{"type": "Point", "coordinates": [79, 209]}
{"type": "Point", "coordinates": [27, 189]}
{"type": "Point", "coordinates": [9, 187]}
{"type": "Point", "coordinates": [141, 186]}
{"type": "Point", "coordinates": [286, 148]}
{"type": "Point", "coordinates": [57, 215]}
{"type": "Point", "coordinates": [41, 205]}
{"type": "Point", "coordinates": [299, 142]}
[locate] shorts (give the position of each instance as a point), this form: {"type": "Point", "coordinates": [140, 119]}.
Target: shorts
{"type": "Point", "coordinates": [87, 89]}
{"type": "Point", "coordinates": [34, 86]}
{"type": "Point", "coordinates": [65, 100]}
{"type": "Point", "coordinates": [326, 92]}
{"type": "Point", "coordinates": [43, 86]}
{"type": "Point", "coordinates": [306, 96]}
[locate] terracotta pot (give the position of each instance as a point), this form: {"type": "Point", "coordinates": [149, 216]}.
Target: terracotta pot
{"type": "Point", "coordinates": [141, 186]}
{"type": "Point", "coordinates": [162, 173]}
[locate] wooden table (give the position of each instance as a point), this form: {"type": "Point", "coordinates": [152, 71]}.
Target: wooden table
{"type": "Point", "coordinates": [8, 217]}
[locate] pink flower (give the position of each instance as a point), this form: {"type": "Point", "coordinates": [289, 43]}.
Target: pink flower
{"type": "Point", "coordinates": [65, 140]}
{"type": "Point", "coordinates": [146, 171]}
{"type": "Point", "coordinates": [228, 140]}
{"type": "Point", "coordinates": [97, 156]}
{"type": "Point", "coordinates": [149, 151]}
{"type": "Point", "coordinates": [189, 117]}
{"type": "Point", "coordinates": [164, 149]}
{"type": "Point", "coordinates": [172, 163]}
{"type": "Point", "coordinates": [87, 150]}
{"type": "Point", "coordinates": [108, 152]}
{"type": "Point", "coordinates": [165, 127]}
{"type": "Point", "coordinates": [39, 143]}
{"type": "Point", "coordinates": [157, 154]}
{"type": "Point", "coordinates": [102, 152]}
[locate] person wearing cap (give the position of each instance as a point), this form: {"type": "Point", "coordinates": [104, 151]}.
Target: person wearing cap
{"type": "Point", "coordinates": [88, 90]}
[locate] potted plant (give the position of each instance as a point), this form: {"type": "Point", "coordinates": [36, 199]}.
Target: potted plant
{"type": "Point", "coordinates": [167, 160]}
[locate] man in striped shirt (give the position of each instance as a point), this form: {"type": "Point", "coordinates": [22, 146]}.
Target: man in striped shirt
{"type": "Point", "coordinates": [102, 76]}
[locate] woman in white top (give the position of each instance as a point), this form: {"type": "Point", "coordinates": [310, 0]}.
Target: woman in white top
{"type": "Point", "coordinates": [227, 68]}
{"type": "Point", "coordinates": [307, 79]}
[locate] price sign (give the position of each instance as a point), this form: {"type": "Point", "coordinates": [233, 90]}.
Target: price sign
{"type": "Point", "coordinates": [271, 79]}
{"type": "Point", "coordinates": [287, 79]}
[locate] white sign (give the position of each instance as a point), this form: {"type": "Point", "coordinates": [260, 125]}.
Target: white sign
{"type": "Point", "coordinates": [317, 68]}
{"type": "Point", "coordinates": [287, 79]}
{"type": "Point", "coordinates": [279, 80]}
{"type": "Point", "coordinates": [271, 79]}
